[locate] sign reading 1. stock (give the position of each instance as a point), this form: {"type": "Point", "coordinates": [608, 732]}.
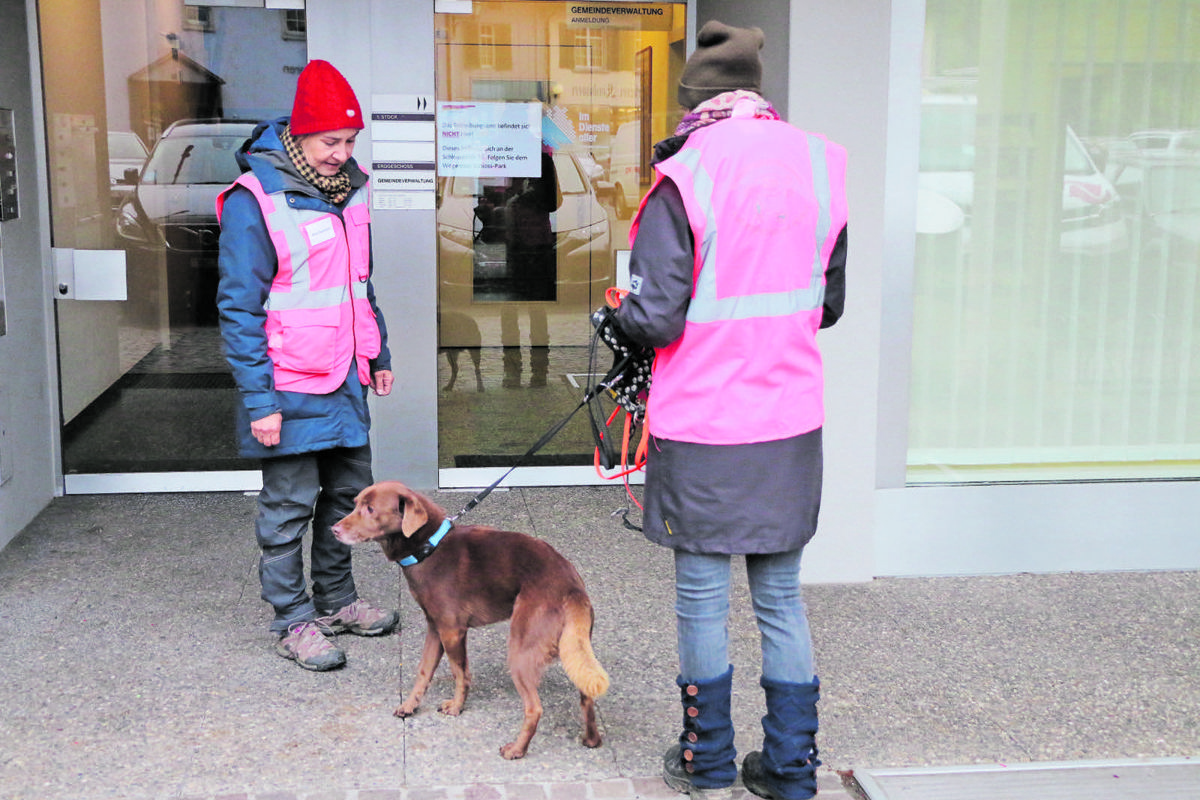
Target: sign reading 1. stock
{"type": "Point", "coordinates": [489, 139]}
{"type": "Point", "coordinates": [402, 151]}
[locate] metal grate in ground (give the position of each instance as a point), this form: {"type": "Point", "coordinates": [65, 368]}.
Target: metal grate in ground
{"type": "Point", "coordinates": [1159, 779]}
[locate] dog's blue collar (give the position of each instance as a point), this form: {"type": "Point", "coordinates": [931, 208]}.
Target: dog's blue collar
{"type": "Point", "coordinates": [426, 550]}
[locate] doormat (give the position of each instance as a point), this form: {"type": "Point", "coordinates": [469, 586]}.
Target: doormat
{"type": "Point", "coordinates": [535, 460]}
{"type": "Point", "coordinates": [177, 380]}
{"type": "Point", "coordinates": [1162, 779]}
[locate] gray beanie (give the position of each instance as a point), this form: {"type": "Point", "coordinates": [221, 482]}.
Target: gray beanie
{"type": "Point", "coordinates": [725, 59]}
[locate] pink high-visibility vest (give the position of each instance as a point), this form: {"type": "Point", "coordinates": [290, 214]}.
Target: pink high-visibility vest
{"type": "Point", "coordinates": [318, 313]}
{"type": "Point", "coordinates": [765, 203]}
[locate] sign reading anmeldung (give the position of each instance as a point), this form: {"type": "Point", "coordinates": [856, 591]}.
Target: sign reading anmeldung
{"type": "Point", "coordinates": [489, 139]}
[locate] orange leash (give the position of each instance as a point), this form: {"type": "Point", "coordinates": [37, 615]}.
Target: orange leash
{"type": "Point", "coordinates": [612, 298]}
{"type": "Point", "coordinates": [639, 456]}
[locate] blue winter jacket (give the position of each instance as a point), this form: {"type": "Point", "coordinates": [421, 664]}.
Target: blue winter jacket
{"type": "Point", "coordinates": [247, 265]}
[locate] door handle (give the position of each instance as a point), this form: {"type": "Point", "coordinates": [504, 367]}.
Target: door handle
{"type": "Point", "coordinates": [90, 274]}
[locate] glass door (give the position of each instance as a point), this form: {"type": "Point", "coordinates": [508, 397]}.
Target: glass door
{"type": "Point", "coordinates": [546, 112]}
{"type": "Point", "coordinates": [145, 105]}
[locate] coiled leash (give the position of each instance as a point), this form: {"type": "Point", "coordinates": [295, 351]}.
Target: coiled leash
{"type": "Point", "coordinates": [628, 392]}
{"type": "Point", "coordinates": [626, 382]}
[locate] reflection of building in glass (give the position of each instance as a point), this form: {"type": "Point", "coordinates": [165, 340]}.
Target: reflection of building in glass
{"type": "Point", "coordinates": [586, 69]}
{"type": "Point", "coordinates": [212, 63]}
{"type": "Point", "coordinates": [543, 238]}
{"type": "Point", "coordinates": [117, 74]}
{"type": "Point", "coordinates": [1055, 289]}
{"type": "Point", "coordinates": [198, 61]}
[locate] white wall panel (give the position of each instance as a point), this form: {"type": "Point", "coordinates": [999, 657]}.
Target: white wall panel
{"type": "Point", "coordinates": [839, 84]}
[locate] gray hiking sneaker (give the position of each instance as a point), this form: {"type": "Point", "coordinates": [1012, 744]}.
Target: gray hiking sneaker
{"type": "Point", "coordinates": [305, 643]}
{"type": "Point", "coordinates": [676, 776]}
{"type": "Point", "coordinates": [361, 618]}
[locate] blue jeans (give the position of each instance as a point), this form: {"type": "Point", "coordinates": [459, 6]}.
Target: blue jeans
{"type": "Point", "coordinates": [320, 488]}
{"type": "Point", "coordinates": [702, 613]}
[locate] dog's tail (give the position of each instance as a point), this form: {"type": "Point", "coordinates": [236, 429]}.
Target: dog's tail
{"type": "Point", "coordinates": [575, 648]}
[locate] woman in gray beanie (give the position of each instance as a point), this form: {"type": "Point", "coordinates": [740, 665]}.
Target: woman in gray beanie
{"type": "Point", "coordinates": [735, 410]}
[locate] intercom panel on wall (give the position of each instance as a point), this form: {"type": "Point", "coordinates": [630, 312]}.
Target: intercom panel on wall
{"type": "Point", "coordinates": [8, 166]}
{"type": "Point", "coordinates": [8, 193]}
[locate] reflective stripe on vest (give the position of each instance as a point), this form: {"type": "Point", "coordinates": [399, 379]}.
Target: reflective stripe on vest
{"type": "Point", "coordinates": [705, 305]}
{"type": "Point", "coordinates": [292, 287]}
{"type": "Point", "coordinates": [322, 288]}
{"type": "Point", "coordinates": [765, 203]}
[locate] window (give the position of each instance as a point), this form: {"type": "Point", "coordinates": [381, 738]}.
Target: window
{"type": "Point", "coordinates": [589, 48]}
{"type": "Point", "coordinates": [1057, 309]}
{"type": "Point", "coordinates": [295, 25]}
{"type": "Point", "coordinates": [198, 18]}
{"type": "Point", "coordinates": [111, 94]}
{"type": "Point", "coordinates": [487, 46]}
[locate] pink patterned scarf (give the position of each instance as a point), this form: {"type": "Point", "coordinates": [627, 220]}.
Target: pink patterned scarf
{"type": "Point", "coordinates": [720, 107]}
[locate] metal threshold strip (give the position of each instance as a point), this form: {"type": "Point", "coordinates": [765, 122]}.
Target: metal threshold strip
{"type": "Point", "coordinates": [1161, 779]}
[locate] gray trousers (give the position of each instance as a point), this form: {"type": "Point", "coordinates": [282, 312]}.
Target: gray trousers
{"type": "Point", "coordinates": [317, 488]}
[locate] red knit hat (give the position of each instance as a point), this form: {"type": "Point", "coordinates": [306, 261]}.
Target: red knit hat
{"type": "Point", "coordinates": [324, 101]}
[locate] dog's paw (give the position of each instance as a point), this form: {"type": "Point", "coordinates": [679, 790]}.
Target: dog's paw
{"type": "Point", "coordinates": [511, 752]}
{"type": "Point", "coordinates": [450, 708]}
{"type": "Point", "coordinates": [405, 710]}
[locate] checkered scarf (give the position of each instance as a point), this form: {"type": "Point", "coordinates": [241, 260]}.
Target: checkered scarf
{"type": "Point", "coordinates": [335, 187]}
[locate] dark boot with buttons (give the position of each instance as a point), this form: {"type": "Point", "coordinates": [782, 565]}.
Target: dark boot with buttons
{"type": "Point", "coordinates": [786, 769]}
{"type": "Point", "coordinates": [702, 763]}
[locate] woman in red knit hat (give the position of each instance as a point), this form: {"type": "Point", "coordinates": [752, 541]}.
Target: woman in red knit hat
{"type": "Point", "coordinates": [305, 340]}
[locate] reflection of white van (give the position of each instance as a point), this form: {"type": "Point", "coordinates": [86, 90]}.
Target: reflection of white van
{"type": "Point", "coordinates": [1091, 220]}
{"type": "Point", "coordinates": [624, 168]}
{"type": "Point", "coordinates": [126, 154]}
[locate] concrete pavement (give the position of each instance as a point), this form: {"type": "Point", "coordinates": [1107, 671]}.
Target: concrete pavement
{"type": "Point", "coordinates": [137, 664]}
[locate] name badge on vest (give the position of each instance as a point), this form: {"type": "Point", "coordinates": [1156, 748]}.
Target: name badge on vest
{"type": "Point", "coordinates": [319, 231]}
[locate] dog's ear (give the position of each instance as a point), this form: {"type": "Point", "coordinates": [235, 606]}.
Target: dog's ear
{"type": "Point", "coordinates": [414, 514]}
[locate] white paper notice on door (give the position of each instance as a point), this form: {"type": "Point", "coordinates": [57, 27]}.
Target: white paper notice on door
{"type": "Point", "coordinates": [489, 139]}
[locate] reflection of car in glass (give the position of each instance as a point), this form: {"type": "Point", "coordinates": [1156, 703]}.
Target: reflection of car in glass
{"type": "Point", "coordinates": [171, 213]}
{"type": "Point", "coordinates": [624, 170]}
{"type": "Point", "coordinates": [517, 239]}
{"type": "Point", "coordinates": [1162, 197]}
{"type": "Point", "coordinates": [1091, 222]}
{"type": "Point", "coordinates": [126, 154]}
{"type": "Point", "coordinates": [1173, 141]}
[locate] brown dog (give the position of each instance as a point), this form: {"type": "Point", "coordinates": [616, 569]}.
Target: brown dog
{"type": "Point", "coordinates": [467, 576]}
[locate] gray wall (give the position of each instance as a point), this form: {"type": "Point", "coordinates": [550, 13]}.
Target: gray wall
{"type": "Point", "coordinates": [397, 58]}
{"type": "Point", "coordinates": [839, 60]}
{"type": "Point", "coordinates": [28, 389]}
